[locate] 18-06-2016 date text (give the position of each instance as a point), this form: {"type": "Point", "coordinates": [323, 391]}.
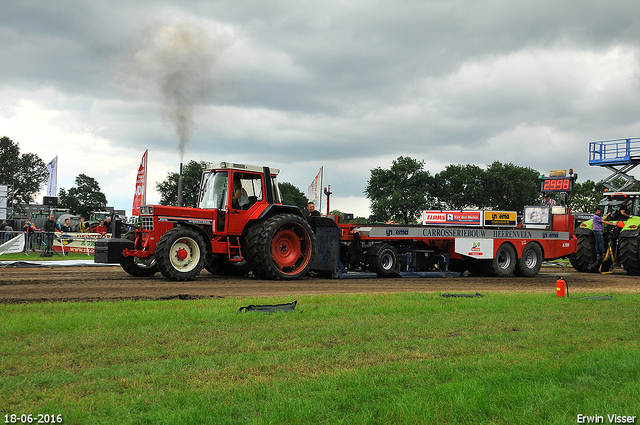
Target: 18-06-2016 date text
{"type": "Point", "coordinates": [33, 419]}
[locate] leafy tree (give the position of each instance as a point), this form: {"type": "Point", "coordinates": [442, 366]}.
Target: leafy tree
{"type": "Point", "coordinates": [586, 196]}
{"type": "Point", "coordinates": [24, 174]}
{"type": "Point", "coordinates": [399, 193]}
{"type": "Point", "coordinates": [84, 197]}
{"type": "Point", "coordinates": [291, 195]}
{"type": "Point", "coordinates": [510, 187]}
{"type": "Point", "coordinates": [460, 186]}
{"type": "Point", "coordinates": [168, 189]}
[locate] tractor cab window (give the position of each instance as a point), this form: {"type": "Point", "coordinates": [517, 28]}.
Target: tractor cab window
{"type": "Point", "coordinates": [247, 190]}
{"type": "Point", "coordinates": [213, 190]}
{"type": "Point", "coordinates": [277, 196]}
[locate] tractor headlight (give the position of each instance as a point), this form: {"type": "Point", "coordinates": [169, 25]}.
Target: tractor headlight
{"type": "Point", "coordinates": [146, 210]}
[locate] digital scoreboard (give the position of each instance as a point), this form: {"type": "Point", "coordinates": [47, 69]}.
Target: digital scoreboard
{"type": "Point", "coordinates": [556, 184]}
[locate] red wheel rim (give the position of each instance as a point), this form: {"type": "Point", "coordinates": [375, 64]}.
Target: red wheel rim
{"type": "Point", "coordinates": [290, 249]}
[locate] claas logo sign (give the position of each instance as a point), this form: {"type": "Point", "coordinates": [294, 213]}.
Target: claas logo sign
{"type": "Point", "coordinates": [466, 218]}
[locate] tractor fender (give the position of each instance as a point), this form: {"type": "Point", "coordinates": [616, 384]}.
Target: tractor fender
{"type": "Point", "coordinates": [198, 229]}
{"type": "Point", "coordinates": [583, 231]}
{"type": "Point", "coordinates": [275, 209]}
{"type": "Point", "coordinates": [629, 233]}
{"type": "Point", "coordinates": [631, 228]}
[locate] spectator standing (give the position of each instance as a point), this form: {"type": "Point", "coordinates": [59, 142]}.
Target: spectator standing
{"type": "Point", "coordinates": [8, 232]}
{"type": "Point", "coordinates": [49, 229]}
{"type": "Point", "coordinates": [101, 228]}
{"type": "Point", "coordinates": [107, 224]}
{"type": "Point", "coordinates": [3, 226]}
{"type": "Point", "coordinates": [66, 227]}
{"type": "Point", "coordinates": [28, 229]}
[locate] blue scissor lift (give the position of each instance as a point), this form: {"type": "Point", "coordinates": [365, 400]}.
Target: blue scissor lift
{"type": "Point", "coordinates": [619, 156]}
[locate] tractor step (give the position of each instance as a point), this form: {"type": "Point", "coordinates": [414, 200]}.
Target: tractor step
{"type": "Point", "coordinates": [234, 251]}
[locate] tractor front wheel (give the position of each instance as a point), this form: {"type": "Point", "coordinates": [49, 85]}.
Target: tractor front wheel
{"type": "Point", "coordinates": [629, 250]}
{"type": "Point", "coordinates": [180, 254]}
{"type": "Point", "coordinates": [280, 247]}
{"type": "Point", "coordinates": [138, 267]}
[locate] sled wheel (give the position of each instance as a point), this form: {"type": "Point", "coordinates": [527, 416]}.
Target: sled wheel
{"type": "Point", "coordinates": [504, 263]}
{"type": "Point", "coordinates": [531, 261]}
{"type": "Point", "coordinates": [383, 259]}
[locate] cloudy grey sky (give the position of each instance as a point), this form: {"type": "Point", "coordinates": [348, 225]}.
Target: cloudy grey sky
{"type": "Point", "coordinates": [296, 85]}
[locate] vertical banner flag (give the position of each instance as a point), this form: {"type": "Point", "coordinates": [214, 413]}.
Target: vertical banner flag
{"type": "Point", "coordinates": [52, 183]}
{"type": "Point", "coordinates": [140, 197]}
{"type": "Point", "coordinates": [314, 192]}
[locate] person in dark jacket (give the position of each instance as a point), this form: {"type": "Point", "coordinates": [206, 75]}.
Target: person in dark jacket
{"type": "Point", "coordinates": [66, 227]}
{"type": "Point", "coordinates": [311, 207]}
{"type": "Point", "coordinates": [49, 229]}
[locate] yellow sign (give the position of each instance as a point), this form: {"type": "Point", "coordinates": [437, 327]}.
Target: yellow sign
{"type": "Point", "coordinates": [558, 173]}
{"type": "Point", "coordinates": [500, 218]}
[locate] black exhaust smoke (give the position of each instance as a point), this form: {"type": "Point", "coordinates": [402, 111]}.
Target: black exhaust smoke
{"type": "Point", "coordinates": [180, 186]}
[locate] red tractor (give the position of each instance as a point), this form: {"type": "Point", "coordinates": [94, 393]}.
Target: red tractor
{"type": "Point", "coordinates": [239, 225]}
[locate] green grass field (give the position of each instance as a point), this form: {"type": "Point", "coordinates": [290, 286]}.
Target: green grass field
{"type": "Point", "coordinates": [393, 358]}
{"type": "Point", "coordinates": [35, 256]}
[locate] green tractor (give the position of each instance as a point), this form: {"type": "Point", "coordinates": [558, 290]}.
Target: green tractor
{"type": "Point", "coordinates": [622, 208]}
{"type": "Point", "coordinates": [620, 205]}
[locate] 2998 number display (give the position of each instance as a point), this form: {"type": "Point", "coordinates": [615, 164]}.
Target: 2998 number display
{"type": "Point", "coordinates": [556, 185]}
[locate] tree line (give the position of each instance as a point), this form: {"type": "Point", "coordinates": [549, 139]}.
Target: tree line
{"type": "Point", "coordinates": [400, 193]}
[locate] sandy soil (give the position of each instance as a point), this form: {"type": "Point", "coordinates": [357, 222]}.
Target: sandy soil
{"type": "Point", "coordinates": [41, 284]}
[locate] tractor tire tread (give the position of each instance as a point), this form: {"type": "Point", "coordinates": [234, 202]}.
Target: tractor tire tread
{"type": "Point", "coordinates": [629, 251]}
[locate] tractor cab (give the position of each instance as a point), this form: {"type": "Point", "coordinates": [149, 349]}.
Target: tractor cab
{"type": "Point", "coordinates": [615, 204]}
{"type": "Point", "coordinates": [237, 191]}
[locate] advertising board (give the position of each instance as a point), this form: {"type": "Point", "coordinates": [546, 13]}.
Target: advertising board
{"type": "Point", "coordinates": [454, 218]}
{"type": "Point", "coordinates": [77, 242]}
{"type": "Point", "coordinates": [500, 218]}
{"type": "Point", "coordinates": [474, 247]}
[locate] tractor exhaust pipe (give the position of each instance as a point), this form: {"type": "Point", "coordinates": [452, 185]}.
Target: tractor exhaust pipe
{"type": "Point", "coordinates": [180, 186]}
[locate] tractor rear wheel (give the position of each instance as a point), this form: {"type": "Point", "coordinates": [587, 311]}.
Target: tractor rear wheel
{"type": "Point", "coordinates": [531, 261]}
{"type": "Point", "coordinates": [383, 259]}
{"type": "Point", "coordinates": [280, 247]}
{"type": "Point", "coordinates": [180, 254]}
{"type": "Point", "coordinates": [504, 263]}
{"type": "Point", "coordinates": [585, 253]}
{"type": "Point", "coordinates": [629, 251]}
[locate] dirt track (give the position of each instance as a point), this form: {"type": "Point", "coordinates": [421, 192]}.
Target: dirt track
{"type": "Point", "coordinates": [38, 284]}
